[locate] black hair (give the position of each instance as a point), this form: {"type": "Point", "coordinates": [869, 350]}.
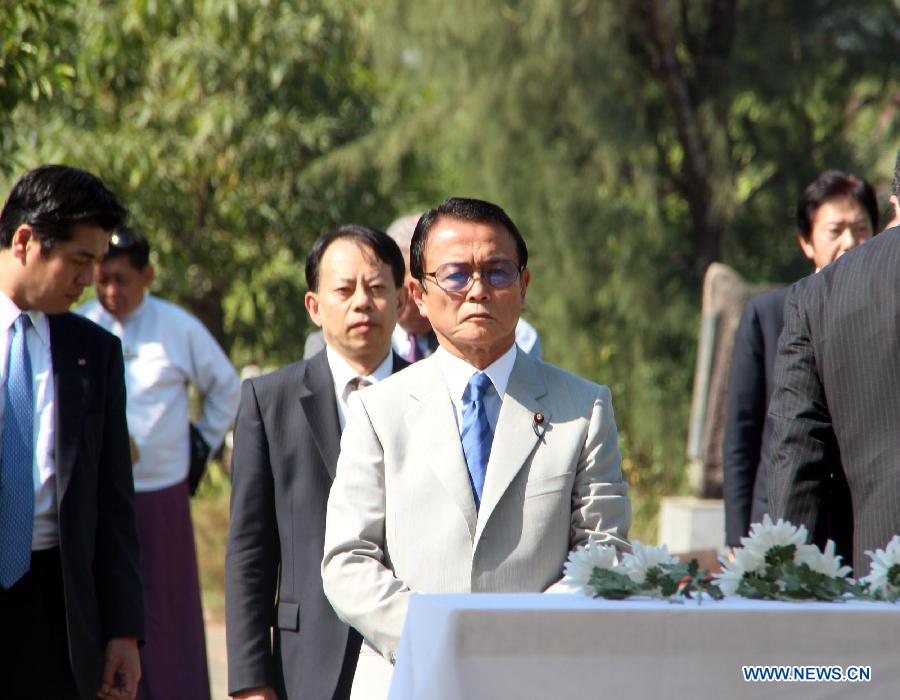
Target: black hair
{"type": "Point", "coordinates": [831, 184]}
{"type": "Point", "coordinates": [384, 247]}
{"type": "Point", "coordinates": [54, 200]}
{"type": "Point", "coordinates": [476, 210]}
{"type": "Point", "coordinates": [128, 242]}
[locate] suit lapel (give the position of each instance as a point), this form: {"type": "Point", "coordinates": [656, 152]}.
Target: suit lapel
{"type": "Point", "coordinates": [435, 438]}
{"type": "Point", "coordinates": [71, 384]}
{"type": "Point", "coordinates": [320, 408]}
{"type": "Point", "coordinates": [515, 437]}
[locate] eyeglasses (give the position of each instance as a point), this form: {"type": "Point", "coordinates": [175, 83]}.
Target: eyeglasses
{"type": "Point", "coordinates": [458, 277]}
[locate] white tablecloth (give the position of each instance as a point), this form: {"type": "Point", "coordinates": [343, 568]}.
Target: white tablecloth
{"type": "Point", "coordinates": [465, 647]}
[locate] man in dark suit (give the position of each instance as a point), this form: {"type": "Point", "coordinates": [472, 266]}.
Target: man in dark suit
{"type": "Point", "coordinates": [836, 403]}
{"type": "Point", "coordinates": [70, 590]}
{"type": "Point", "coordinates": [286, 445]}
{"type": "Point", "coordinates": [836, 213]}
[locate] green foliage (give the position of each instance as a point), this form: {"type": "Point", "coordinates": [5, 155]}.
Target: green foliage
{"type": "Point", "coordinates": [783, 579]}
{"type": "Point", "coordinates": [632, 142]}
{"type": "Point", "coordinates": [31, 64]}
{"type": "Point", "coordinates": [206, 118]}
{"type": "Point", "coordinates": [672, 582]}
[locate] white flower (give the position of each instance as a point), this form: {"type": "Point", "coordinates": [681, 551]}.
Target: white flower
{"type": "Point", "coordinates": [767, 534]}
{"type": "Point", "coordinates": [643, 558]}
{"type": "Point", "coordinates": [883, 560]}
{"type": "Point", "coordinates": [826, 562]}
{"type": "Point", "coordinates": [580, 566]}
{"type": "Point", "coordinates": [745, 561]}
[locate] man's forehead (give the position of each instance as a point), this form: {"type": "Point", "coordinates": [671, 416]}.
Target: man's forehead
{"type": "Point", "coordinates": [346, 259]}
{"type": "Point", "coordinates": [450, 234]}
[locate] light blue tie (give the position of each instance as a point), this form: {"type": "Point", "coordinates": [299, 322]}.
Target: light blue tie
{"type": "Point", "coordinates": [17, 461]}
{"type": "Point", "coordinates": [476, 432]}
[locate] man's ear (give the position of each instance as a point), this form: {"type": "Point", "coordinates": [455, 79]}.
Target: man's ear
{"type": "Point", "coordinates": [20, 239]}
{"type": "Point", "coordinates": [312, 307]}
{"type": "Point", "coordinates": [809, 250]}
{"type": "Point", "coordinates": [147, 275]}
{"type": "Point", "coordinates": [526, 280]}
{"type": "Point", "coordinates": [417, 292]}
{"type": "Point", "coordinates": [402, 298]}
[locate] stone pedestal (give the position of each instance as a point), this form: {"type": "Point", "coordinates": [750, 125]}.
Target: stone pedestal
{"type": "Point", "coordinates": [689, 524]}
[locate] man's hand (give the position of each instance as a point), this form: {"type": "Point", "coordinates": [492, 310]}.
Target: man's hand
{"type": "Point", "coordinates": [122, 670]}
{"type": "Point", "coordinates": [264, 693]}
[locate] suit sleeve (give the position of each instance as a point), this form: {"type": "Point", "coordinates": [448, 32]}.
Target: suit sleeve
{"type": "Point", "coordinates": [745, 417]}
{"type": "Point", "coordinates": [253, 555]}
{"type": "Point", "coordinates": [363, 591]}
{"type": "Point", "coordinates": [116, 569]}
{"type": "Point", "coordinates": [601, 509]}
{"type": "Point", "coordinates": [804, 446]}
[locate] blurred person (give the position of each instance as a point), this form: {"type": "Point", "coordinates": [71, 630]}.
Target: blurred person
{"type": "Point", "coordinates": [477, 469]}
{"type": "Point", "coordinates": [413, 338]}
{"type": "Point", "coordinates": [166, 350]}
{"type": "Point", "coordinates": [836, 402]}
{"type": "Point", "coordinates": [895, 196]}
{"type": "Point", "coordinates": [836, 212]}
{"type": "Point", "coordinates": [70, 588]}
{"type": "Point", "coordinates": [284, 639]}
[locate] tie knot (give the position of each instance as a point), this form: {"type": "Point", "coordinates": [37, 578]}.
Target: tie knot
{"type": "Point", "coordinates": [21, 323]}
{"type": "Point", "coordinates": [357, 383]}
{"type": "Point", "coordinates": [478, 385]}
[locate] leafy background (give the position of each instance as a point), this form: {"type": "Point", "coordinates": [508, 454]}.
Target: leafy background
{"type": "Point", "coordinates": [633, 143]}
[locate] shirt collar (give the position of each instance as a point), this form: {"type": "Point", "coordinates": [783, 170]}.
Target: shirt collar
{"type": "Point", "coordinates": [457, 372]}
{"type": "Point", "coordinates": [9, 312]}
{"type": "Point", "coordinates": [343, 373]}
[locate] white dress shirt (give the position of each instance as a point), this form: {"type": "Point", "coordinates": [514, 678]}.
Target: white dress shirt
{"type": "Point", "coordinates": [46, 527]}
{"type": "Point", "coordinates": [457, 373]}
{"type": "Point", "coordinates": [166, 350]}
{"type": "Point", "coordinates": [343, 374]}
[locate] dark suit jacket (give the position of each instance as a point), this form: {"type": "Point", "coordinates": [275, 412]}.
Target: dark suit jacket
{"type": "Point", "coordinates": [287, 440]}
{"type": "Point", "coordinates": [746, 443]}
{"type": "Point", "coordinates": [836, 403]}
{"type": "Point", "coordinates": [95, 495]}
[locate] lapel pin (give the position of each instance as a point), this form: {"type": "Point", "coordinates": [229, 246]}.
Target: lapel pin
{"type": "Point", "coordinates": [538, 424]}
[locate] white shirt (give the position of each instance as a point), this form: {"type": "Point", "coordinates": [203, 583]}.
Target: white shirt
{"type": "Point", "coordinates": [457, 373]}
{"type": "Point", "coordinates": [37, 338]}
{"type": "Point", "coordinates": [343, 374]}
{"type": "Point", "coordinates": [166, 350]}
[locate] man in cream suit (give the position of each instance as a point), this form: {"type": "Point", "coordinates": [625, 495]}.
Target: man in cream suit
{"type": "Point", "coordinates": [479, 468]}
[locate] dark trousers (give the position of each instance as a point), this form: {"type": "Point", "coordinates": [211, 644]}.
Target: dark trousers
{"type": "Point", "coordinates": [34, 647]}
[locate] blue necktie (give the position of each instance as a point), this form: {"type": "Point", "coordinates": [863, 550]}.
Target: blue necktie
{"type": "Point", "coordinates": [476, 432]}
{"type": "Point", "coordinates": [17, 462]}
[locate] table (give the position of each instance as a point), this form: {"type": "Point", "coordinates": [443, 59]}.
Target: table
{"type": "Point", "coordinates": [485, 646]}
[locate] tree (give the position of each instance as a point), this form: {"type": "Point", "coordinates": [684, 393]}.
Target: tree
{"type": "Point", "coordinates": [634, 143]}
{"type": "Point", "coordinates": [31, 65]}
{"type": "Point", "coordinates": [206, 117]}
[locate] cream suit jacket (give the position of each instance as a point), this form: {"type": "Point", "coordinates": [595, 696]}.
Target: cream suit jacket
{"type": "Point", "coordinates": [401, 515]}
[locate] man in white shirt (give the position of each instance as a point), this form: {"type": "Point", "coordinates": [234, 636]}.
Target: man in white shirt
{"type": "Point", "coordinates": [479, 468]}
{"type": "Point", "coordinates": [284, 640]}
{"type": "Point", "coordinates": [71, 610]}
{"type": "Point", "coordinates": [166, 351]}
